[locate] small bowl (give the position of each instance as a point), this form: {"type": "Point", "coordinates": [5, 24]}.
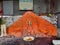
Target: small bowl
{"type": "Point", "coordinates": [28, 38]}
{"type": "Point", "coordinates": [56, 42]}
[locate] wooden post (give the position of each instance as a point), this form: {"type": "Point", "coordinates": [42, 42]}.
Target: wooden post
{"type": "Point", "coordinates": [1, 11]}
{"type": "Point", "coordinates": [52, 6]}
{"type": "Point", "coordinates": [3, 30]}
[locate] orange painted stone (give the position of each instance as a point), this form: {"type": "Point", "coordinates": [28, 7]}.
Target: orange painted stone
{"type": "Point", "coordinates": [32, 24]}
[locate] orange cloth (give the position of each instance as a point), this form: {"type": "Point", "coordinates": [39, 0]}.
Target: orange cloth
{"type": "Point", "coordinates": [38, 26]}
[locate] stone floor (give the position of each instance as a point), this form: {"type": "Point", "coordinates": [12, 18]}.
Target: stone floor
{"type": "Point", "coordinates": [9, 41]}
{"type": "Point", "coordinates": [13, 41]}
{"type": "Point", "coordinates": [19, 41]}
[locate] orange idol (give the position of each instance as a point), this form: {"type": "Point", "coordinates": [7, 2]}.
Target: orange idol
{"type": "Point", "coordinates": [31, 24]}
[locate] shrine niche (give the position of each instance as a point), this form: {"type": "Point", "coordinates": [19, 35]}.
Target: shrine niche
{"type": "Point", "coordinates": [25, 4]}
